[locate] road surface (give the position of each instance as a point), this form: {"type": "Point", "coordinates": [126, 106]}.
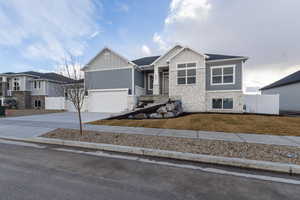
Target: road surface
{"type": "Point", "coordinates": [29, 171]}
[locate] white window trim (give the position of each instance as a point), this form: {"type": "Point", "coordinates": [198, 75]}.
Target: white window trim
{"type": "Point", "coordinates": [212, 106]}
{"type": "Point", "coordinates": [186, 68]}
{"type": "Point", "coordinates": [148, 78]}
{"type": "Point", "coordinates": [222, 67]}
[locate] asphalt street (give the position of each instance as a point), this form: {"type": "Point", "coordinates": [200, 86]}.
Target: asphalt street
{"type": "Point", "coordinates": [52, 172]}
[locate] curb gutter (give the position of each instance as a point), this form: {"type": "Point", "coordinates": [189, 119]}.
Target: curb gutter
{"type": "Point", "coordinates": [235, 162]}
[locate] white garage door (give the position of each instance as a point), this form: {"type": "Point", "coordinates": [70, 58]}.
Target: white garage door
{"type": "Point", "coordinates": [110, 101]}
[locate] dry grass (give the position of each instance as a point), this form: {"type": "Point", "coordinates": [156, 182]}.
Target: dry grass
{"type": "Point", "coordinates": [234, 123]}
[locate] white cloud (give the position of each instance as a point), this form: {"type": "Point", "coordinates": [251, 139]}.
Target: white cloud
{"type": "Point", "coordinates": [266, 31]}
{"type": "Point", "coordinates": [163, 46]}
{"type": "Point", "coordinates": [45, 29]}
{"type": "Point", "coordinates": [181, 10]}
{"type": "Point", "coordinates": [95, 34]}
{"type": "Point", "coordinates": [146, 50]}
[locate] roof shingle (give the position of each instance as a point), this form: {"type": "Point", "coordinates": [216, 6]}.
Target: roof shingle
{"type": "Point", "coordinates": [290, 79]}
{"type": "Point", "coordinates": [50, 76]}
{"type": "Point", "coordinates": [145, 60]}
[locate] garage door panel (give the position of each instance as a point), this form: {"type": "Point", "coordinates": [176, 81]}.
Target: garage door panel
{"type": "Point", "coordinates": [108, 101]}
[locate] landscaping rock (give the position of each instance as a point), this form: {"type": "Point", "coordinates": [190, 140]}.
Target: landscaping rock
{"type": "Point", "coordinates": [156, 116]}
{"type": "Point", "coordinates": [170, 107]}
{"type": "Point", "coordinates": [140, 116]}
{"type": "Point", "coordinates": [162, 110]}
{"type": "Point", "coordinates": [169, 115]}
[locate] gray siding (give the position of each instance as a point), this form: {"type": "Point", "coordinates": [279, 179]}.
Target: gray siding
{"type": "Point", "coordinates": [289, 99]}
{"type": "Point", "coordinates": [238, 76]}
{"type": "Point", "coordinates": [139, 78]}
{"type": "Point", "coordinates": [109, 79]}
{"type": "Point", "coordinates": [107, 59]}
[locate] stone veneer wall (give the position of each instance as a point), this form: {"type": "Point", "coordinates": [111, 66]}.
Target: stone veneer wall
{"type": "Point", "coordinates": [38, 97]}
{"type": "Point", "coordinates": [3, 88]}
{"type": "Point", "coordinates": [238, 101]}
{"type": "Point", "coordinates": [23, 99]}
{"type": "Point", "coordinates": [192, 96]}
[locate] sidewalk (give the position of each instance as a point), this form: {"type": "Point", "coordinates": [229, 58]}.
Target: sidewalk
{"type": "Point", "coordinates": [206, 135]}
{"type": "Point", "coordinates": [30, 129]}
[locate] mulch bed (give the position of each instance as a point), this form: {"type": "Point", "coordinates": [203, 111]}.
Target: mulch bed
{"type": "Point", "coordinates": [274, 153]}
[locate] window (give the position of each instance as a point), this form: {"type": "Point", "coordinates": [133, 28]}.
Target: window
{"type": "Point", "coordinates": [150, 81]}
{"type": "Point", "coordinates": [16, 84]}
{"type": "Point", "coordinates": [37, 104]}
{"type": "Point", "coordinates": [186, 73]}
{"type": "Point", "coordinates": [225, 103]}
{"type": "Point", "coordinates": [222, 75]}
{"type": "Point", "coordinates": [34, 84]}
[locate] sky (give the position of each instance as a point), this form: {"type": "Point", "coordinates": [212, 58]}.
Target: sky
{"type": "Point", "coordinates": [38, 34]}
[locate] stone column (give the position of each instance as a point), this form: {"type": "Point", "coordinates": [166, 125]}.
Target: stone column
{"type": "Point", "coordinates": [156, 81]}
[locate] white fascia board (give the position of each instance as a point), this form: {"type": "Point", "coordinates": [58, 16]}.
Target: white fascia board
{"type": "Point", "coordinates": [187, 48]}
{"type": "Point", "coordinates": [230, 59]}
{"type": "Point", "coordinates": [162, 56]}
{"type": "Point", "coordinates": [109, 69]}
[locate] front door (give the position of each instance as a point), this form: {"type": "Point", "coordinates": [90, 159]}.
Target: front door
{"type": "Point", "coordinates": [165, 84]}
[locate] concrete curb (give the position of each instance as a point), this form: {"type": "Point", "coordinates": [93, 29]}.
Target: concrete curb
{"type": "Point", "coordinates": [235, 162]}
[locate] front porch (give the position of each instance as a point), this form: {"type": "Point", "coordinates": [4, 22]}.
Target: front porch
{"type": "Point", "coordinates": [157, 84]}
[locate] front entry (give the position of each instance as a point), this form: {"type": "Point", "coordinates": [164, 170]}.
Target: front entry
{"type": "Point", "coordinates": [165, 84]}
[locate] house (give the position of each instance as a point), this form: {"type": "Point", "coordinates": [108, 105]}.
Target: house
{"type": "Point", "coordinates": [31, 88]}
{"type": "Point", "coordinates": [203, 82]}
{"type": "Point", "coordinates": [288, 89]}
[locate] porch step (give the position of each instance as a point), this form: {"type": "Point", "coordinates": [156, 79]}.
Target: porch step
{"type": "Point", "coordinates": [153, 98]}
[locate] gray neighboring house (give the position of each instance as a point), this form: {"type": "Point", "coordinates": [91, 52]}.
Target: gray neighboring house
{"type": "Point", "coordinates": [203, 82]}
{"type": "Point", "coordinates": [288, 89]}
{"type": "Point", "coordinates": [31, 88]}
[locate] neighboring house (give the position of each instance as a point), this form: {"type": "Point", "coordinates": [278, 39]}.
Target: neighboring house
{"type": "Point", "coordinates": [289, 90]}
{"type": "Point", "coordinates": [30, 88]}
{"type": "Point", "coordinates": [203, 82]}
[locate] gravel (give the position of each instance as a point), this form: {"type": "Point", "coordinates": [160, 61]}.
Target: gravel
{"type": "Point", "coordinates": [274, 153]}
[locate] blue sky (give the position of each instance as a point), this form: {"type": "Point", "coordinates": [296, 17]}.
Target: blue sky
{"type": "Point", "coordinates": [39, 43]}
{"type": "Point", "coordinates": [35, 34]}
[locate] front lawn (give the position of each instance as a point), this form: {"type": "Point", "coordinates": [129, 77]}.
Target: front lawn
{"type": "Point", "coordinates": [234, 123]}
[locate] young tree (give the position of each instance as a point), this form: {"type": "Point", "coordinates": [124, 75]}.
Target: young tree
{"type": "Point", "coordinates": [74, 90]}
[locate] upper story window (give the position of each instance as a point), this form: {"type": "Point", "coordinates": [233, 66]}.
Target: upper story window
{"type": "Point", "coordinates": [186, 73]}
{"type": "Point", "coordinates": [37, 84]}
{"type": "Point", "coordinates": [222, 75]}
{"type": "Point", "coordinates": [16, 84]}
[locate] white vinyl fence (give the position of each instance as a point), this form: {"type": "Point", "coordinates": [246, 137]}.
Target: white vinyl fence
{"type": "Point", "coordinates": [262, 104]}
{"type": "Point", "coordinates": [55, 103]}
{"type": "Point", "coordinates": [60, 103]}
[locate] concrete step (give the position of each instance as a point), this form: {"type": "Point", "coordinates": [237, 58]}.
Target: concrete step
{"type": "Point", "coordinates": [153, 98]}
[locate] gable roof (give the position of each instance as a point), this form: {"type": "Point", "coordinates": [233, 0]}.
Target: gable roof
{"type": "Point", "coordinates": [162, 56]}
{"type": "Point", "coordinates": [145, 60]}
{"type": "Point", "coordinates": [222, 57]}
{"type": "Point", "coordinates": [290, 79]}
{"type": "Point", "coordinates": [49, 76]}
{"type": "Point", "coordinates": [106, 49]}
{"type": "Point", "coordinates": [188, 48]}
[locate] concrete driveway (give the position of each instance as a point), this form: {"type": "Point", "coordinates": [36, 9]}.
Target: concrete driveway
{"type": "Point", "coordinates": [35, 125]}
{"type": "Point", "coordinates": [64, 117]}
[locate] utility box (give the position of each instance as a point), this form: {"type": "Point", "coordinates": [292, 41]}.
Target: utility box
{"type": "Point", "coordinates": [2, 111]}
